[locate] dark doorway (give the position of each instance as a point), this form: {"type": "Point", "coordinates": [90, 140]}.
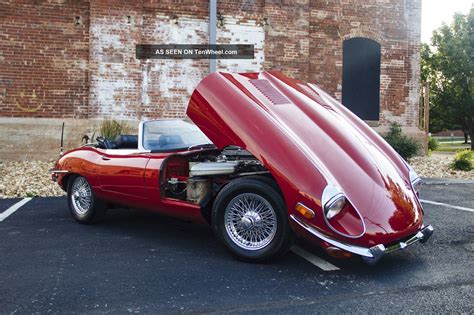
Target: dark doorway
{"type": "Point", "coordinates": [361, 77]}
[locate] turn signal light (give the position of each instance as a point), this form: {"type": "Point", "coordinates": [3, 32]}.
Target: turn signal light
{"type": "Point", "coordinates": [305, 211]}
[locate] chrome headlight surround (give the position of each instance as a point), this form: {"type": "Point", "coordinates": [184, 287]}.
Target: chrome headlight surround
{"type": "Point", "coordinates": [415, 181]}
{"type": "Point", "coordinates": [332, 201]}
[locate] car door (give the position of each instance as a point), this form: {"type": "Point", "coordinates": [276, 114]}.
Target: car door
{"type": "Point", "coordinates": [121, 175]}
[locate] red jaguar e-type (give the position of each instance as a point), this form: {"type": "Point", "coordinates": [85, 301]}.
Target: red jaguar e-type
{"type": "Point", "coordinates": [268, 157]}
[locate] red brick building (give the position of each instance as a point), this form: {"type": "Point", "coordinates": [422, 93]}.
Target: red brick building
{"type": "Point", "coordinates": [74, 61]}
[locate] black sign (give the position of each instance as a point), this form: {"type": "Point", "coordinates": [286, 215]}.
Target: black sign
{"type": "Point", "coordinates": [195, 51]}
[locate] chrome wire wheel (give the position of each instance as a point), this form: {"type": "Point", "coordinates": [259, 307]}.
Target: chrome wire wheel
{"type": "Point", "coordinates": [250, 221]}
{"type": "Point", "coordinates": [81, 196]}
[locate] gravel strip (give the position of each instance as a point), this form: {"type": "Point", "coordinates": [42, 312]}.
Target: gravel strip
{"type": "Point", "coordinates": [437, 166]}
{"type": "Point", "coordinates": [32, 178]}
{"type": "Point", "coordinates": [27, 179]}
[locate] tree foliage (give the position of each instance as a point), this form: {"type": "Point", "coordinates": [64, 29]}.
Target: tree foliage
{"type": "Point", "coordinates": [448, 67]}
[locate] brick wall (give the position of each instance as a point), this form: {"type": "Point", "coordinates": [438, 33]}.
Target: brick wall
{"type": "Point", "coordinates": [76, 59]}
{"type": "Point", "coordinates": [288, 37]}
{"type": "Point", "coordinates": [44, 53]}
{"type": "Point", "coordinates": [123, 87]}
{"type": "Point", "coordinates": [393, 24]}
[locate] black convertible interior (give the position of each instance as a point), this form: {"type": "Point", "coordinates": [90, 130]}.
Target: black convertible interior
{"type": "Point", "coordinates": [120, 142]}
{"type": "Point", "coordinates": [126, 142]}
{"type": "Point", "coordinates": [164, 142]}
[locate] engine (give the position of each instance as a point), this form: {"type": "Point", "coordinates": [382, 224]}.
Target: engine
{"type": "Point", "coordinates": [209, 171]}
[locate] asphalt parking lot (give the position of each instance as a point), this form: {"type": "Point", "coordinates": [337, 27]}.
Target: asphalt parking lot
{"type": "Point", "coordinates": [137, 262]}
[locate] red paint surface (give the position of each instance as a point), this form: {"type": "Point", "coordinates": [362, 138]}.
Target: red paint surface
{"type": "Point", "coordinates": [307, 143]}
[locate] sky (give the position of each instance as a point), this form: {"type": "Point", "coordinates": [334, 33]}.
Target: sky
{"type": "Point", "coordinates": [435, 12]}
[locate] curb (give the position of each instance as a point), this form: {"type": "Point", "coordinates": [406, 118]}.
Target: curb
{"type": "Point", "coordinates": [445, 181]}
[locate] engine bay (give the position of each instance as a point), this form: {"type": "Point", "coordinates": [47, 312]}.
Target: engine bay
{"type": "Point", "coordinates": [196, 176]}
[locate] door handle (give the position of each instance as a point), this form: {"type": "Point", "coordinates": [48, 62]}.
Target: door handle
{"type": "Point", "coordinates": [105, 158]}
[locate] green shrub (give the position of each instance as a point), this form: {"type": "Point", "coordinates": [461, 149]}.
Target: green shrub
{"type": "Point", "coordinates": [463, 161]}
{"type": "Point", "coordinates": [404, 145]}
{"type": "Point", "coordinates": [110, 128]}
{"type": "Point", "coordinates": [433, 144]}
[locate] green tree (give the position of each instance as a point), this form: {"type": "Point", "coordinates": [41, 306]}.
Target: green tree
{"type": "Point", "coordinates": [448, 67]}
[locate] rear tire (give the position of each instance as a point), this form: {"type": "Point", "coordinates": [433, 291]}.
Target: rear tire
{"type": "Point", "coordinates": [83, 205]}
{"type": "Point", "coordinates": [249, 216]}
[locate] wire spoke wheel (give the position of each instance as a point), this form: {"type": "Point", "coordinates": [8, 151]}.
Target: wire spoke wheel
{"type": "Point", "coordinates": [250, 221]}
{"type": "Point", "coordinates": [81, 196]}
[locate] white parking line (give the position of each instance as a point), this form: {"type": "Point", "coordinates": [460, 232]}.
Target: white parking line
{"type": "Point", "coordinates": [315, 260]}
{"type": "Point", "coordinates": [5, 214]}
{"type": "Point", "coordinates": [446, 205]}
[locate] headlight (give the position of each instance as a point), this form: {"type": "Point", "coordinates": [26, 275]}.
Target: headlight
{"type": "Point", "coordinates": [334, 207]}
{"type": "Point", "coordinates": [337, 207]}
{"type": "Point", "coordinates": [415, 181]}
{"type": "Point", "coordinates": [333, 201]}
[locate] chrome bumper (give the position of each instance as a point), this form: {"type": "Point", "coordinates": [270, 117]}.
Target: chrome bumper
{"type": "Point", "coordinates": [55, 173]}
{"type": "Point", "coordinates": [373, 254]}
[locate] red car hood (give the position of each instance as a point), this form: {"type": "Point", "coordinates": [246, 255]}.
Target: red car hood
{"type": "Point", "coordinates": [307, 140]}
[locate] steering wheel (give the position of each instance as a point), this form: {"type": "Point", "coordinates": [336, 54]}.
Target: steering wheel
{"type": "Point", "coordinates": [104, 142]}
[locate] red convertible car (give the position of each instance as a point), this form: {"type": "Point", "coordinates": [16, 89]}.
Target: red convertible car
{"type": "Point", "coordinates": [266, 158]}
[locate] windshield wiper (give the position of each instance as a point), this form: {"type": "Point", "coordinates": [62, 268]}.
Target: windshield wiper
{"type": "Point", "coordinates": [201, 146]}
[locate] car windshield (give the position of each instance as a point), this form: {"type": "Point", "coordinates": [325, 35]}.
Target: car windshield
{"type": "Point", "coordinates": [171, 135]}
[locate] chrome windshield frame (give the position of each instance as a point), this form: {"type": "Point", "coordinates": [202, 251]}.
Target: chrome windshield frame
{"type": "Point", "coordinates": [141, 135]}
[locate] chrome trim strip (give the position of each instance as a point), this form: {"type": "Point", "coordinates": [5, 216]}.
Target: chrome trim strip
{"type": "Point", "coordinates": [58, 171]}
{"type": "Point", "coordinates": [125, 151]}
{"type": "Point", "coordinates": [362, 251]}
{"type": "Point", "coordinates": [414, 179]}
{"type": "Point", "coordinates": [413, 176]}
{"type": "Point", "coordinates": [140, 136]}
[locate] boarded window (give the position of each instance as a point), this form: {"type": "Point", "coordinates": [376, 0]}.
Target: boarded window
{"type": "Point", "coordinates": [361, 77]}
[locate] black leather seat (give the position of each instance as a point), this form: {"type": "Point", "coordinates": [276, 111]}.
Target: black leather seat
{"type": "Point", "coordinates": [126, 142]}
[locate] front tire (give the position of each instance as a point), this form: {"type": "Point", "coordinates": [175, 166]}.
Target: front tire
{"type": "Point", "coordinates": [249, 216]}
{"type": "Point", "coordinates": [83, 205]}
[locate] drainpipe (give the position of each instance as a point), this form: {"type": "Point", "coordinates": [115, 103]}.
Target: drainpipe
{"type": "Point", "coordinates": [212, 31]}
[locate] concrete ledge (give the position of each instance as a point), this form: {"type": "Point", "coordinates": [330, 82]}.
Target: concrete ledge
{"type": "Point", "coordinates": [39, 138]}
{"type": "Point", "coordinates": [446, 181]}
